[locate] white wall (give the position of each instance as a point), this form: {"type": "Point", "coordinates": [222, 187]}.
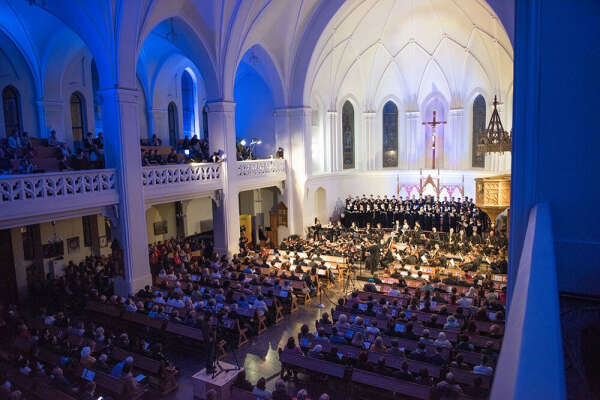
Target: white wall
{"type": "Point", "coordinates": [338, 186]}
{"type": "Point", "coordinates": [62, 230]}
{"type": "Point", "coordinates": [14, 71]}
{"type": "Point", "coordinates": [157, 213]}
{"type": "Point", "coordinates": [198, 216]}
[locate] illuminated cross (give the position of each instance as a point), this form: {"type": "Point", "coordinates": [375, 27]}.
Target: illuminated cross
{"type": "Point", "coordinates": [433, 124]}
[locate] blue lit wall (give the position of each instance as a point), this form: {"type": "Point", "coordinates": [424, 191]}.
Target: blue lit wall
{"type": "Point", "coordinates": [254, 110]}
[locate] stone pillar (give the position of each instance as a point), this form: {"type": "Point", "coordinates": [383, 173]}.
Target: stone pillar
{"type": "Point", "coordinates": [298, 167]}
{"type": "Point", "coordinates": [373, 158]}
{"type": "Point", "coordinates": [121, 144]}
{"type": "Point", "coordinates": [415, 140]}
{"type": "Point", "coordinates": [332, 147]}
{"type": "Point", "coordinates": [457, 154]}
{"type": "Point", "coordinates": [54, 117]}
{"type": "Point", "coordinates": [226, 204]}
{"type": "Point", "coordinates": [41, 114]}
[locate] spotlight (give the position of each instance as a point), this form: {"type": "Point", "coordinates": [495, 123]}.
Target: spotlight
{"type": "Point", "coordinates": [243, 142]}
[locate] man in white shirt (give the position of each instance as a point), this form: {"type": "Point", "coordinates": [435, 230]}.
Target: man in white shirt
{"type": "Point", "coordinates": [483, 369]}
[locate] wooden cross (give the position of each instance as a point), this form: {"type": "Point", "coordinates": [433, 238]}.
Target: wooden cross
{"type": "Point", "coordinates": [434, 123]}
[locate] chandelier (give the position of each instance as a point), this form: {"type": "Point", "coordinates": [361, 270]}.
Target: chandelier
{"type": "Point", "coordinates": [494, 139]}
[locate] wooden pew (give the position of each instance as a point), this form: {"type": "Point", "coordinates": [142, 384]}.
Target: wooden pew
{"type": "Point", "coordinates": [310, 364]}
{"type": "Point", "coordinates": [241, 394]}
{"type": "Point", "coordinates": [151, 367]}
{"type": "Point", "coordinates": [409, 389]}
{"type": "Point", "coordinates": [105, 309]}
{"type": "Point", "coordinates": [143, 319]}
{"type": "Point", "coordinates": [193, 334]}
{"type": "Point", "coordinates": [115, 386]}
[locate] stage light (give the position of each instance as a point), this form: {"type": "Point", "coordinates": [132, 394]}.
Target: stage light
{"type": "Point", "coordinates": [243, 142]}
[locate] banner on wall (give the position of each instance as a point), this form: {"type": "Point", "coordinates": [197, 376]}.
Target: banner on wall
{"type": "Point", "coordinates": [246, 226]}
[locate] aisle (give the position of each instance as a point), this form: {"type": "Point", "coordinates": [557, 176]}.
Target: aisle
{"type": "Point", "coordinates": [259, 357]}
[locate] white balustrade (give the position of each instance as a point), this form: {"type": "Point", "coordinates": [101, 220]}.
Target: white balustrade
{"type": "Point", "coordinates": [165, 183]}
{"type": "Point", "coordinates": [35, 198]}
{"type": "Point", "coordinates": [55, 186]}
{"type": "Point", "coordinates": [261, 168]}
{"type": "Point", "coordinates": [178, 174]}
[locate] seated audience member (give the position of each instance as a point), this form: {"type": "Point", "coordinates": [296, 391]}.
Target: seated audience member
{"type": "Point", "coordinates": [448, 388]}
{"type": "Point", "coordinates": [52, 140]}
{"type": "Point", "coordinates": [243, 383]}
{"type": "Point", "coordinates": [483, 368]}
{"type": "Point", "coordinates": [172, 157]}
{"type": "Point", "coordinates": [260, 389]}
{"type": "Point", "coordinates": [280, 392]}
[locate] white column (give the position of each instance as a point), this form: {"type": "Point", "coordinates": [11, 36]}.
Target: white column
{"type": "Point", "coordinates": [226, 205]}
{"type": "Point", "coordinates": [300, 121]}
{"type": "Point", "coordinates": [120, 119]}
{"type": "Point", "coordinates": [415, 138]}
{"type": "Point", "coordinates": [332, 149]}
{"type": "Point", "coordinates": [282, 137]}
{"type": "Point", "coordinates": [373, 155]}
{"type": "Point", "coordinates": [54, 117]}
{"type": "Point", "coordinates": [457, 154]}
{"type": "Point", "coordinates": [160, 124]}
{"type": "Point", "coordinates": [41, 113]}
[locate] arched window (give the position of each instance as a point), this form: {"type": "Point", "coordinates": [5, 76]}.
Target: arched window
{"type": "Point", "coordinates": [188, 102]}
{"type": "Point", "coordinates": [173, 125]}
{"type": "Point", "coordinates": [348, 135]}
{"type": "Point", "coordinates": [12, 110]}
{"type": "Point", "coordinates": [478, 160]}
{"type": "Point", "coordinates": [78, 122]}
{"type": "Point", "coordinates": [390, 135]}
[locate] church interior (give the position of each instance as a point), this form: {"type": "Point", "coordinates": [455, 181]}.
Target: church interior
{"type": "Point", "coordinates": [299, 199]}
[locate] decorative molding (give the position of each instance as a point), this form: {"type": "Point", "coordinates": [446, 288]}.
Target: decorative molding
{"type": "Point", "coordinates": [37, 198]}
{"type": "Point", "coordinates": [261, 168]}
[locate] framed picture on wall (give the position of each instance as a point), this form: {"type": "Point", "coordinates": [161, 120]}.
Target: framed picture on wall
{"type": "Point", "coordinates": [73, 245]}
{"type": "Point", "coordinates": [103, 241]}
{"type": "Point", "coordinates": [160, 228]}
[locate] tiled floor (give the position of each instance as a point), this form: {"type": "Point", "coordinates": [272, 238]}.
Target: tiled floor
{"type": "Point", "coordinates": [259, 357]}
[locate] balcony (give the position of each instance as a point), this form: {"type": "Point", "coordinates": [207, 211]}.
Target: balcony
{"type": "Point", "coordinates": [55, 195]}
{"type": "Point", "coordinates": [255, 174]}
{"type": "Point", "coordinates": [166, 183]}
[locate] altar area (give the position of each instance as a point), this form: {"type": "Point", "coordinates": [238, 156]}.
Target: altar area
{"type": "Point", "coordinates": [325, 194]}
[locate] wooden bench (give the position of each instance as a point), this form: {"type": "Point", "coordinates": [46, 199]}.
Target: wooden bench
{"type": "Point", "coordinates": [294, 361]}
{"type": "Point", "coordinates": [193, 334]}
{"type": "Point", "coordinates": [166, 383]}
{"type": "Point", "coordinates": [143, 319]}
{"type": "Point", "coordinates": [105, 309]}
{"type": "Point", "coordinates": [115, 386]}
{"type": "Point", "coordinates": [409, 389]}
{"type": "Point", "coordinates": [241, 394]}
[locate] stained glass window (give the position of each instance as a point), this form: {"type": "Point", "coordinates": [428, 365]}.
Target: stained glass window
{"type": "Point", "coordinates": [188, 103]}
{"type": "Point", "coordinates": [348, 135]}
{"type": "Point", "coordinates": [478, 128]}
{"type": "Point", "coordinates": [390, 135]}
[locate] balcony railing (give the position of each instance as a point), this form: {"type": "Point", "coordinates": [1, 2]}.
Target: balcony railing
{"type": "Point", "coordinates": [261, 168]}
{"type": "Point", "coordinates": [169, 180]}
{"type": "Point", "coordinates": [55, 186]}
{"type": "Point", "coordinates": [23, 196]}
{"type": "Point", "coordinates": [531, 363]}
